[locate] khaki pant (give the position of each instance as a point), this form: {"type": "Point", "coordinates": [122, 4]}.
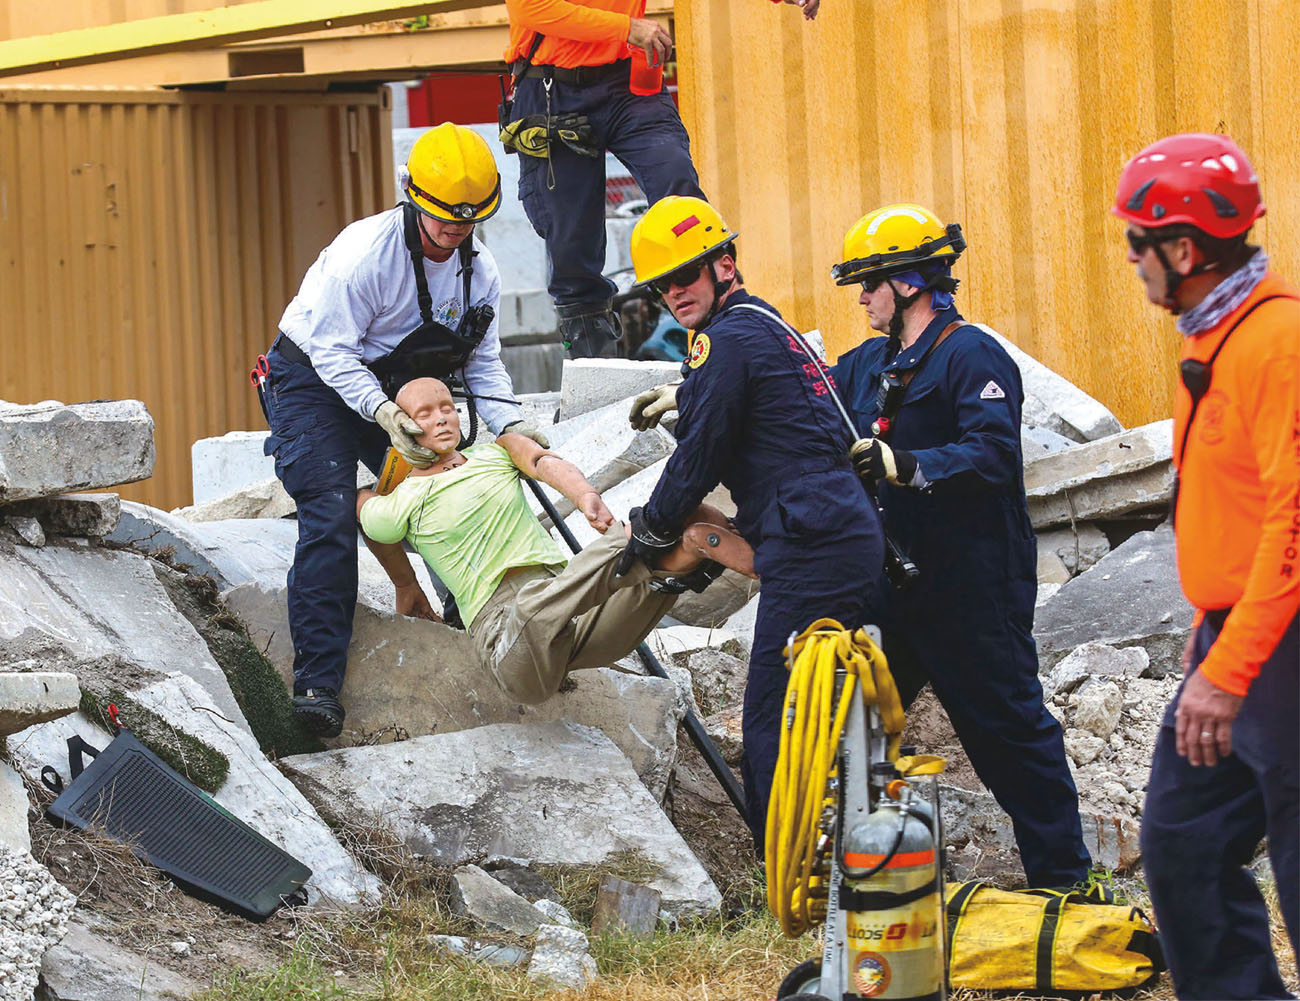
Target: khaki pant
{"type": "Point", "coordinates": [539, 625]}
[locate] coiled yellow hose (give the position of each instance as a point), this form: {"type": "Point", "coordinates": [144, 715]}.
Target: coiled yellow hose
{"type": "Point", "coordinates": [810, 736]}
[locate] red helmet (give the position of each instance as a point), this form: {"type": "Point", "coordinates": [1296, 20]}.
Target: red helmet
{"type": "Point", "coordinates": [1195, 178]}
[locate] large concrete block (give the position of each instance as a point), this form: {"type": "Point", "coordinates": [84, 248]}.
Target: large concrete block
{"type": "Point", "coordinates": [552, 793]}
{"type": "Point", "coordinates": [1130, 598]}
{"type": "Point", "coordinates": [414, 677]}
{"type": "Point", "coordinates": [592, 383]}
{"type": "Point", "coordinates": [219, 466]}
{"type": "Point", "coordinates": [85, 515]}
{"type": "Point", "coordinates": [1055, 403]}
{"type": "Point", "coordinates": [49, 448]}
{"type": "Point", "coordinates": [254, 790]}
{"type": "Point", "coordinates": [1107, 478]}
{"type": "Point", "coordinates": [28, 698]}
{"type": "Point", "coordinates": [93, 603]}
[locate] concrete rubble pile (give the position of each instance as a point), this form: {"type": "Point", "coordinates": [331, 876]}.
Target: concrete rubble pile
{"type": "Point", "coordinates": [88, 608]}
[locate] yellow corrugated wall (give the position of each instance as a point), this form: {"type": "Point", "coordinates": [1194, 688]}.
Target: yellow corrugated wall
{"type": "Point", "coordinates": [1011, 117]}
{"type": "Point", "coordinates": [149, 242]}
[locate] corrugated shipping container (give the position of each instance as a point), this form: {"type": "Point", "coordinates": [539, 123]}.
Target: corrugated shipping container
{"type": "Point", "coordinates": [150, 240]}
{"type": "Point", "coordinates": [1012, 117]}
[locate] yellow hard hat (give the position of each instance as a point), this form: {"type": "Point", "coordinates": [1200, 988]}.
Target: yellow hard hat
{"type": "Point", "coordinates": [675, 231]}
{"type": "Point", "coordinates": [893, 239]}
{"type": "Point", "coordinates": [453, 175]}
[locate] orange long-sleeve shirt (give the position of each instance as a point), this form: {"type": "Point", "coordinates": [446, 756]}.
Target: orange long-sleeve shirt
{"type": "Point", "coordinates": [578, 32]}
{"type": "Point", "coordinates": [1238, 526]}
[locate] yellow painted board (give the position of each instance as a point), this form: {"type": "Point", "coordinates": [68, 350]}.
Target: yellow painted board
{"type": "Point", "coordinates": [201, 29]}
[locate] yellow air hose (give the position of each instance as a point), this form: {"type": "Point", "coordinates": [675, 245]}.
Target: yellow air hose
{"type": "Point", "coordinates": [811, 727]}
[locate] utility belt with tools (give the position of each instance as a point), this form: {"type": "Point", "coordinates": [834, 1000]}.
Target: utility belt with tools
{"type": "Point", "coordinates": [533, 135]}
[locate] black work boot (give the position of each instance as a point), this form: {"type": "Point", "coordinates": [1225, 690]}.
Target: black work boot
{"type": "Point", "coordinates": [588, 330]}
{"type": "Point", "coordinates": [320, 711]}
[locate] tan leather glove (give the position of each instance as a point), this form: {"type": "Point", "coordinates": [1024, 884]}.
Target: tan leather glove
{"type": "Point", "coordinates": [402, 429]}
{"type": "Point", "coordinates": [874, 460]}
{"type": "Point", "coordinates": [649, 408]}
{"type": "Point", "coordinates": [527, 429]}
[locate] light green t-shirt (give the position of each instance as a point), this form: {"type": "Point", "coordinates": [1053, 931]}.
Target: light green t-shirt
{"type": "Point", "coordinates": [471, 524]}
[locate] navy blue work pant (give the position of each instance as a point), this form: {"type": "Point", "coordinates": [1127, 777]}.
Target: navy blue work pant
{"type": "Point", "coordinates": [1202, 826]}
{"type": "Point", "coordinates": [972, 641]}
{"type": "Point", "coordinates": [564, 196]}
{"type": "Point", "coordinates": [803, 580]}
{"type": "Point", "coordinates": [317, 439]}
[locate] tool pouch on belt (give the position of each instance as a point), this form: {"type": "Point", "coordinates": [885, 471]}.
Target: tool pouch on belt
{"type": "Point", "coordinates": [1046, 942]}
{"type": "Point", "coordinates": [506, 109]}
{"type": "Point", "coordinates": [432, 349]}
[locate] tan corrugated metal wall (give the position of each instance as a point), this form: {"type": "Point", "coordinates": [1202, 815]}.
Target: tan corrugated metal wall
{"type": "Point", "coordinates": [149, 242]}
{"type": "Point", "coordinates": [1012, 117]}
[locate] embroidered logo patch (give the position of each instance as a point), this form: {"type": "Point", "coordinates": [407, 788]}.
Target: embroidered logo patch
{"type": "Point", "coordinates": [992, 392]}
{"type": "Point", "coordinates": [699, 351]}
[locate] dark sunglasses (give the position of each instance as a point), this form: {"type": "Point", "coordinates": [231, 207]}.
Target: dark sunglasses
{"type": "Point", "coordinates": [687, 274]}
{"type": "Point", "coordinates": [871, 284]}
{"type": "Point", "coordinates": [1139, 242]}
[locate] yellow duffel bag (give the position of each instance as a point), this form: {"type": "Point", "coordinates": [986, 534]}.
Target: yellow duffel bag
{"type": "Point", "coordinates": [1043, 940]}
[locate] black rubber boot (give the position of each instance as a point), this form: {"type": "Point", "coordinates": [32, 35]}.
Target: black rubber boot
{"type": "Point", "coordinates": [320, 711]}
{"type": "Point", "coordinates": [588, 330]}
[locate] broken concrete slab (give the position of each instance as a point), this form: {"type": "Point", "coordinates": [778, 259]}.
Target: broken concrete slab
{"type": "Point", "coordinates": [1051, 568]}
{"type": "Point", "coordinates": [34, 913]}
{"type": "Point", "coordinates": [539, 409]}
{"type": "Point", "coordinates": [87, 967]}
{"type": "Point", "coordinates": [249, 550]}
{"type": "Point", "coordinates": [551, 792]}
{"type": "Point", "coordinates": [14, 831]}
{"type": "Point", "coordinates": [1130, 598]}
{"type": "Point", "coordinates": [31, 697]}
{"type": "Point", "coordinates": [741, 624]}
{"type": "Point", "coordinates": [85, 515]}
{"type": "Point", "coordinates": [28, 529]}
{"type": "Point", "coordinates": [263, 499]}
{"type": "Point", "coordinates": [718, 679]}
{"type": "Point", "coordinates": [591, 383]}
{"type": "Point", "coordinates": [560, 957]}
{"type": "Point", "coordinates": [608, 452]}
{"type": "Point", "coordinates": [1055, 403]}
{"type": "Point", "coordinates": [50, 448]}
{"type": "Point", "coordinates": [1036, 442]}
{"type": "Point", "coordinates": [254, 791]}
{"type": "Point", "coordinates": [1108, 478]}
{"type": "Point", "coordinates": [1078, 546]}
{"type": "Point", "coordinates": [678, 643]}
{"type": "Point", "coordinates": [413, 677]}
{"type": "Point", "coordinates": [222, 465]}
{"type": "Point", "coordinates": [100, 602]}
{"type": "Point", "coordinates": [477, 895]}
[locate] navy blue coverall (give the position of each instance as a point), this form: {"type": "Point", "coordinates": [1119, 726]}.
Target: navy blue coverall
{"type": "Point", "coordinates": [756, 415]}
{"type": "Point", "coordinates": [965, 624]}
{"type": "Point", "coordinates": [645, 132]}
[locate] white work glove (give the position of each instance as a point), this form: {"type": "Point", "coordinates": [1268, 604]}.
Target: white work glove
{"type": "Point", "coordinates": [526, 429]}
{"type": "Point", "coordinates": [648, 408]}
{"type": "Point", "coordinates": [402, 429]}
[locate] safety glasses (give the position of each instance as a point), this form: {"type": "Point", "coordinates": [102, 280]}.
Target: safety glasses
{"type": "Point", "coordinates": [687, 274]}
{"type": "Point", "coordinates": [1139, 242]}
{"type": "Point", "coordinates": [871, 284]}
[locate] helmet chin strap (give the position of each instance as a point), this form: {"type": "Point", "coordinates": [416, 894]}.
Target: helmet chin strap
{"type": "Point", "coordinates": [1173, 279]}
{"type": "Point", "coordinates": [719, 290]}
{"type": "Point", "coordinates": [419, 221]}
{"type": "Point", "coordinates": [902, 303]}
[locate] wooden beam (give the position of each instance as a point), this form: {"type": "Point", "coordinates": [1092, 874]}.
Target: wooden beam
{"type": "Point", "coordinates": [202, 29]}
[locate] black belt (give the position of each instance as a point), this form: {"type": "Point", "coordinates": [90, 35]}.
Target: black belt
{"type": "Point", "coordinates": [578, 76]}
{"type": "Point", "coordinates": [290, 351]}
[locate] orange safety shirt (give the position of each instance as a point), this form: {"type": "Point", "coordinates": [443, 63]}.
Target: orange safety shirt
{"type": "Point", "coordinates": [578, 32]}
{"type": "Point", "coordinates": [1238, 523]}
